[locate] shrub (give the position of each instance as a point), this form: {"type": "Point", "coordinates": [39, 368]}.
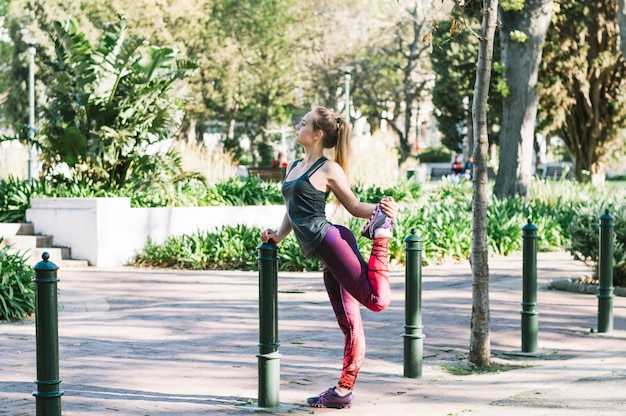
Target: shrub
{"type": "Point", "coordinates": [15, 195]}
{"type": "Point", "coordinates": [442, 218]}
{"type": "Point", "coordinates": [435, 155]}
{"type": "Point", "coordinates": [586, 238]}
{"type": "Point", "coordinates": [17, 290]}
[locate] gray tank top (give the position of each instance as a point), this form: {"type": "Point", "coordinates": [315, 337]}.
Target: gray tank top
{"type": "Point", "coordinates": [306, 208]}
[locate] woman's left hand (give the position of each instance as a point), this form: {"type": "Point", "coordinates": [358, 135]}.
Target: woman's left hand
{"type": "Point", "coordinates": [389, 206]}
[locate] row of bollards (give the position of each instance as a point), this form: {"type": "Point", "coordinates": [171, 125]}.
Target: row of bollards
{"type": "Point", "coordinates": [269, 357]}
{"type": "Point", "coordinates": [48, 394]}
{"type": "Point", "coordinates": [529, 284]}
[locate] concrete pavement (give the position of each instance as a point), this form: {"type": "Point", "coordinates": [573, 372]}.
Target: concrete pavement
{"type": "Point", "coordinates": [161, 342]}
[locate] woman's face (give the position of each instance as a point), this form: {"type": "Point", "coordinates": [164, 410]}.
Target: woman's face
{"type": "Point", "coordinates": [304, 129]}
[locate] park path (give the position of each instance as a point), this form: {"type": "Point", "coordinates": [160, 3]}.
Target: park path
{"type": "Point", "coordinates": [162, 342]}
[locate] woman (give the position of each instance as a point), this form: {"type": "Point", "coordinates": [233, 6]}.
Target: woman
{"type": "Point", "coordinates": [349, 279]}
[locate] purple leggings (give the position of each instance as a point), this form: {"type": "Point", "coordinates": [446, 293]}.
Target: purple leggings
{"type": "Point", "coordinates": [350, 281]}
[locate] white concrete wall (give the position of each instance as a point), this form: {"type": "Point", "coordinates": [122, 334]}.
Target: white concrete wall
{"type": "Point", "coordinates": [107, 232]}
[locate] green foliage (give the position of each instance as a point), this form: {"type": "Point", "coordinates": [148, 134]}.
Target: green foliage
{"type": "Point", "coordinates": [435, 155]}
{"type": "Point", "coordinates": [251, 191]}
{"type": "Point", "coordinates": [290, 257]}
{"type": "Point", "coordinates": [17, 291]}
{"type": "Point", "coordinates": [442, 217]}
{"type": "Point", "coordinates": [454, 64]}
{"type": "Point", "coordinates": [108, 104]}
{"type": "Point", "coordinates": [228, 248]}
{"type": "Point", "coordinates": [518, 36]}
{"type": "Point", "coordinates": [564, 212]}
{"type": "Point", "coordinates": [586, 237]}
{"type": "Point", "coordinates": [513, 5]}
{"type": "Point", "coordinates": [15, 195]}
{"type": "Point", "coordinates": [255, 83]}
{"type": "Point", "coordinates": [583, 44]}
{"type": "Point", "coordinates": [403, 191]}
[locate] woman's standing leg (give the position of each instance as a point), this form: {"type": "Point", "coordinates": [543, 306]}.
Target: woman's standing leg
{"type": "Point", "coordinates": [350, 281]}
{"type": "Point", "coordinates": [347, 311]}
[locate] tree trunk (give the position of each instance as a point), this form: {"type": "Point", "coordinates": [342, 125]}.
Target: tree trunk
{"type": "Point", "coordinates": [519, 108]}
{"type": "Point", "coordinates": [409, 125]}
{"type": "Point", "coordinates": [480, 348]}
{"type": "Point", "coordinates": [621, 20]}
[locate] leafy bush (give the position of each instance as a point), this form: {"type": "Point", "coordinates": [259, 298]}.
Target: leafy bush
{"type": "Point", "coordinates": [227, 248]}
{"type": "Point", "coordinates": [402, 191]}
{"type": "Point", "coordinates": [124, 86]}
{"type": "Point", "coordinates": [586, 238]}
{"type": "Point", "coordinates": [17, 290]}
{"type": "Point", "coordinates": [435, 155]}
{"type": "Point", "coordinates": [442, 218]}
{"type": "Point", "coordinates": [290, 257]}
{"type": "Point", "coordinates": [15, 195]}
{"type": "Point", "coordinates": [251, 191]}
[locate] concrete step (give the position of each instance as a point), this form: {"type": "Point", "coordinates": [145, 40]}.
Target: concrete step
{"type": "Point", "coordinates": [21, 238]}
{"type": "Point", "coordinates": [27, 242]}
{"type": "Point", "coordinates": [32, 258]}
{"type": "Point", "coordinates": [7, 229]}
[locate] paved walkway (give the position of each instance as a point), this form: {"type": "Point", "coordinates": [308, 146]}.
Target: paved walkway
{"type": "Point", "coordinates": [156, 343]}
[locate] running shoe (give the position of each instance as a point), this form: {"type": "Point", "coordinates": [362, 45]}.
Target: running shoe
{"type": "Point", "coordinates": [380, 222]}
{"type": "Point", "coordinates": [331, 399]}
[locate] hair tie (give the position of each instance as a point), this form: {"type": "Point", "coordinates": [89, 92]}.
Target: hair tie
{"type": "Point", "coordinates": [338, 122]}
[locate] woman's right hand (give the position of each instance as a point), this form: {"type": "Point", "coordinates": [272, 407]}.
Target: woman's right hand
{"type": "Point", "coordinates": [268, 235]}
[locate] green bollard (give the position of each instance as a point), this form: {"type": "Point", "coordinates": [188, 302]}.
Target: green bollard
{"type": "Point", "coordinates": [605, 271]}
{"type": "Point", "coordinates": [413, 337]}
{"type": "Point", "coordinates": [48, 395]}
{"type": "Point", "coordinates": [529, 292]}
{"type": "Point", "coordinates": [268, 357]}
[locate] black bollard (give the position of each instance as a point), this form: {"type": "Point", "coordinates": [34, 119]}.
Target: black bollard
{"type": "Point", "coordinates": [48, 395]}
{"type": "Point", "coordinates": [413, 337]}
{"type": "Point", "coordinates": [529, 289]}
{"type": "Point", "coordinates": [605, 272]}
{"type": "Point", "coordinates": [268, 357]}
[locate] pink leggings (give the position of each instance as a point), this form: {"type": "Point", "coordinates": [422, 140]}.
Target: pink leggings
{"type": "Point", "coordinates": [351, 281]}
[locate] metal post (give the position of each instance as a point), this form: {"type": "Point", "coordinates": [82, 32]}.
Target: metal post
{"type": "Point", "coordinates": [268, 357]}
{"type": "Point", "coordinates": [605, 272]}
{"type": "Point", "coordinates": [529, 290]}
{"type": "Point", "coordinates": [31, 110]}
{"type": "Point", "coordinates": [347, 78]}
{"type": "Point", "coordinates": [48, 395]}
{"type": "Point", "coordinates": [413, 337]}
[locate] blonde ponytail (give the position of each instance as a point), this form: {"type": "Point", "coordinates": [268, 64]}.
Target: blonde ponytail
{"type": "Point", "coordinates": [336, 135]}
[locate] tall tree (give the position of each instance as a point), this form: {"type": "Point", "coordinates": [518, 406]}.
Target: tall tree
{"type": "Point", "coordinates": [333, 34]}
{"type": "Point", "coordinates": [583, 81]}
{"type": "Point", "coordinates": [265, 88]}
{"type": "Point", "coordinates": [480, 347]}
{"type": "Point", "coordinates": [394, 77]}
{"type": "Point", "coordinates": [522, 32]}
{"type": "Point", "coordinates": [454, 64]}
